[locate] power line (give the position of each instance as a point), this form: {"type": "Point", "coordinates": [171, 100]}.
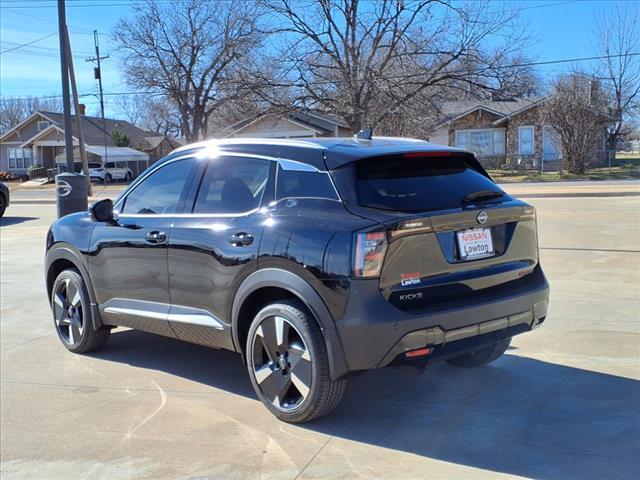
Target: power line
{"type": "Point", "coordinates": [125, 3]}
{"type": "Point", "coordinates": [29, 43]}
{"type": "Point", "coordinates": [38, 47]}
{"type": "Point", "coordinates": [47, 20]}
{"type": "Point", "coordinates": [239, 84]}
{"type": "Point", "coordinates": [116, 3]}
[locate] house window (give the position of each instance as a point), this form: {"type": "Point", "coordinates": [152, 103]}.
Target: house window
{"type": "Point", "coordinates": [551, 149]}
{"type": "Point", "coordinates": [526, 137]}
{"type": "Point", "coordinates": [484, 142]}
{"type": "Point", "coordinates": [42, 125]}
{"type": "Point", "coordinates": [19, 158]}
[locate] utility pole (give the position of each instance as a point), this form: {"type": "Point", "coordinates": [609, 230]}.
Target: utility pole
{"type": "Point", "coordinates": [97, 74]}
{"type": "Point", "coordinates": [79, 115]}
{"type": "Point", "coordinates": [71, 188]}
{"type": "Point", "coordinates": [64, 70]}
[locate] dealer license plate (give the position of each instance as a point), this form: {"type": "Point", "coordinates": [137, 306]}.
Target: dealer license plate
{"type": "Point", "coordinates": [475, 243]}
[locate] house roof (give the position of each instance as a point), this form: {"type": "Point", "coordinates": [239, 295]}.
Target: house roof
{"type": "Point", "coordinates": [94, 133]}
{"type": "Point", "coordinates": [43, 133]}
{"type": "Point", "coordinates": [114, 154]}
{"type": "Point", "coordinates": [315, 121]}
{"type": "Point", "coordinates": [504, 109]}
{"type": "Point", "coordinates": [154, 141]}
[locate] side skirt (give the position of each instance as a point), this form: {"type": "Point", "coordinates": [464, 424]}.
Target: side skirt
{"type": "Point", "coordinates": [177, 321]}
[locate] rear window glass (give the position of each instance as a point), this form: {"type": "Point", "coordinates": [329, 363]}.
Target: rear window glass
{"type": "Point", "coordinates": [95, 165]}
{"type": "Point", "coordinates": [417, 184]}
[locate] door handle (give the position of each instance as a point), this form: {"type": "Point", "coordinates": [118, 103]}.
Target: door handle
{"type": "Point", "coordinates": [241, 239]}
{"type": "Point", "coordinates": [156, 237]}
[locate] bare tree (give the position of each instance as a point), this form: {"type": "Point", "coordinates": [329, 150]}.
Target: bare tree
{"type": "Point", "coordinates": [367, 62]}
{"type": "Point", "coordinates": [152, 113]}
{"type": "Point", "coordinates": [14, 110]}
{"type": "Point", "coordinates": [162, 116]}
{"type": "Point", "coordinates": [132, 107]}
{"type": "Point", "coordinates": [618, 40]}
{"type": "Point", "coordinates": [191, 52]}
{"type": "Point", "coordinates": [577, 111]}
{"type": "Point", "coordinates": [514, 77]}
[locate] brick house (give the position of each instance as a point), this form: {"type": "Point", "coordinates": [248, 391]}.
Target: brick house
{"type": "Point", "coordinates": [40, 138]}
{"type": "Point", "coordinates": [500, 132]}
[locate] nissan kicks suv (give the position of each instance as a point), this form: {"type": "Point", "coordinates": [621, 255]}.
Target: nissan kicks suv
{"type": "Point", "coordinates": [315, 260]}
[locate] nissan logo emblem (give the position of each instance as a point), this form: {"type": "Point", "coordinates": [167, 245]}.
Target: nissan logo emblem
{"type": "Point", "coordinates": [482, 217]}
{"type": "Point", "coordinates": [63, 188]}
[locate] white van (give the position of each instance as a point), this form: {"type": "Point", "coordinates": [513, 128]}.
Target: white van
{"type": "Point", "coordinates": [109, 172]}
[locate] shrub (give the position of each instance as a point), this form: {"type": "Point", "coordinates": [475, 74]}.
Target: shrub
{"type": "Point", "coordinates": [120, 138]}
{"type": "Point", "coordinates": [9, 177]}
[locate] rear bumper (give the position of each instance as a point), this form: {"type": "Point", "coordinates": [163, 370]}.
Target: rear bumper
{"type": "Point", "coordinates": [375, 334]}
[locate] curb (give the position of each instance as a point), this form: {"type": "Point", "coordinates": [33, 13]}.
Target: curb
{"type": "Point", "coordinates": [576, 194]}
{"type": "Point", "coordinates": [42, 201]}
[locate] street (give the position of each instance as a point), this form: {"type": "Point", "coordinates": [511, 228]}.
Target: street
{"type": "Point", "coordinates": [561, 404]}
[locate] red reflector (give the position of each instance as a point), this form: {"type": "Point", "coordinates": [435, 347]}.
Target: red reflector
{"type": "Point", "coordinates": [420, 352]}
{"type": "Point", "coordinates": [427, 154]}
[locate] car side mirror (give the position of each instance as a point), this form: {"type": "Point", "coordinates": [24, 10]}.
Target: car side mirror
{"type": "Point", "coordinates": [102, 211]}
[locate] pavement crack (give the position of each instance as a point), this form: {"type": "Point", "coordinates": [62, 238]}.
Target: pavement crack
{"type": "Point", "coordinates": [335, 432]}
{"type": "Point", "coordinates": [8, 349]}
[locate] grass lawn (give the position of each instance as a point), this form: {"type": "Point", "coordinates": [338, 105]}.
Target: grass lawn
{"type": "Point", "coordinates": [628, 172]}
{"type": "Point", "coordinates": [626, 156]}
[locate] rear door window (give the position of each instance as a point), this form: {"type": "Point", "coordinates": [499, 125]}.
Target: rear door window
{"type": "Point", "coordinates": [416, 184]}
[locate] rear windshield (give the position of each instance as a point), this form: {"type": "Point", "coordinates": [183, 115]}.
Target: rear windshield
{"type": "Point", "coordinates": [417, 184]}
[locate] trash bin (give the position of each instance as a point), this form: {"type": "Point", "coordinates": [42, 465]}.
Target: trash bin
{"type": "Point", "coordinates": [71, 193]}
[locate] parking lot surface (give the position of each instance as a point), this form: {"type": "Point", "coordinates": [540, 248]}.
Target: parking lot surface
{"type": "Point", "coordinates": [562, 403]}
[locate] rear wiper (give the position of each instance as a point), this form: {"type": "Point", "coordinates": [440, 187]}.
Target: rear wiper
{"type": "Point", "coordinates": [482, 196]}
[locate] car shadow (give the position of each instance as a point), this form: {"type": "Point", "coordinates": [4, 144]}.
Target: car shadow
{"type": "Point", "coordinates": [518, 416]}
{"type": "Point", "coordinates": [6, 221]}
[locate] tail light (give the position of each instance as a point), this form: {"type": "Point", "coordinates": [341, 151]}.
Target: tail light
{"type": "Point", "coordinates": [528, 213]}
{"type": "Point", "coordinates": [369, 254]}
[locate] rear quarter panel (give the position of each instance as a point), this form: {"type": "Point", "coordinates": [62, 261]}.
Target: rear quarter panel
{"type": "Point", "coordinates": [313, 238]}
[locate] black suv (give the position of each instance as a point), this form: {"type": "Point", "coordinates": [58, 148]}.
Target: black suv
{"type": "Point", "coordinates": [314, 259]}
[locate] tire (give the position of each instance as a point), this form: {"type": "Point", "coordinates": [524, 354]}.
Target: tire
{"type": "Point", "coordinates": [72, 315]}
{"type": "Point", "coordinates": [108, 178]}
{"type": "Point", "coordinates": [3, 206]}
{"type": "Point", "coordinates": [483, 356]}
{"type": "Point", "coordinates": [296, 385]}
{"type": "Point", "coordinates": [128, 177]}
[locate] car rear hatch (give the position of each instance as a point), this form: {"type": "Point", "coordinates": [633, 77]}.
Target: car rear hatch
{"type": "Point", "coordinates": [451, 234]}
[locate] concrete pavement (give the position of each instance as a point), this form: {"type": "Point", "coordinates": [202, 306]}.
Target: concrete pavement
{"type": "Point", "coordinates": [561, 404]}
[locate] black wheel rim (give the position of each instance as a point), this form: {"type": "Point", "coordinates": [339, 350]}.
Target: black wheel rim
{"type": "Point", "coordinates": [281, 363]}
{"type": "Point", "coordinates": [68, 311]}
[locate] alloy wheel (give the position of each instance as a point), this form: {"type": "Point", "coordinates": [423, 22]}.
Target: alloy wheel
{"type": "Point", "coordinates": [68, 311]}
{"type": "Point", "coordinates": [281, 363]}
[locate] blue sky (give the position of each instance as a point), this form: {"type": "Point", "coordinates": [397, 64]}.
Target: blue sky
{"type": "Point", "coordinates": [559, 29]}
